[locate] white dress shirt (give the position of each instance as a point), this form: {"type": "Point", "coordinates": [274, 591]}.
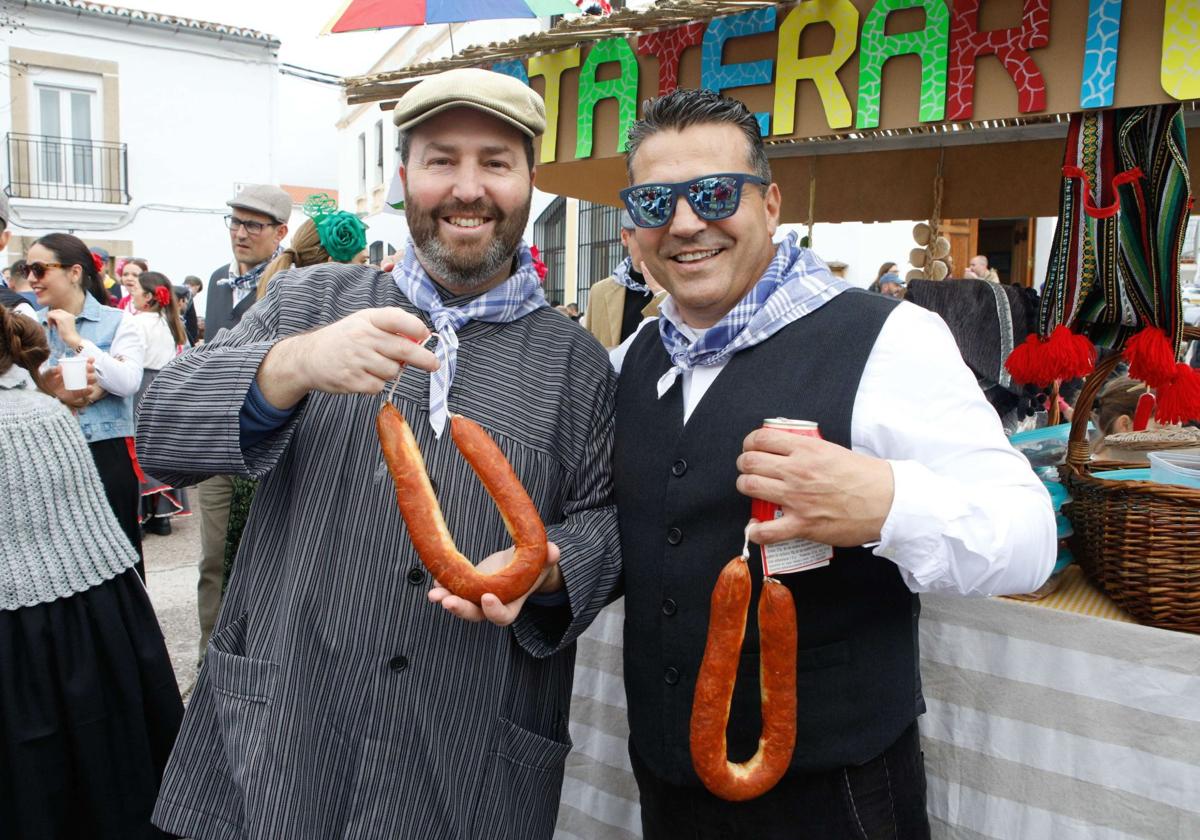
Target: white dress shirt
{"type": "Point", "coordinates": [969, 515]}
{"type": "Point", "coordinates": [119, 371]}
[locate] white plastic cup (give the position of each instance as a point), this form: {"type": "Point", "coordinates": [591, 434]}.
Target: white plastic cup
{"type": "Point", "coordinates": [74, 373]}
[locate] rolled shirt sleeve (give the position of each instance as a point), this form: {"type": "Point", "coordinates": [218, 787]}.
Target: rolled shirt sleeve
{"type": "Point", "coordinates": [969, 516]}
{"type": "Point", "coordinates": [119, 371]}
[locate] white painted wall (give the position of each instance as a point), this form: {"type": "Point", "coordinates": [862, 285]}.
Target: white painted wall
{"type": "Point", "coordinates": [199, 115]}
{"type": "Point", "coordinates": [862, 246]}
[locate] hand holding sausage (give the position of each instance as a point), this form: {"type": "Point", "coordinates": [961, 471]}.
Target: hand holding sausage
{"type": "Point", "coordinates": [359, 354]}
{"type": "Point", "coordinates": [490, 607]}
{"type": "Point", "coordinates": [828, 493]}
{"type": "Point", "coordinates": [427, 527]}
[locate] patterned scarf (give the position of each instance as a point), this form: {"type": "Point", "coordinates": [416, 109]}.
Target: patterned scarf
{"type": "Point", "coordinates": [515, 298]}
{"type": "Point", "coordinates": [796, 283]}
{"type": "Point", "coordinates": [244, 284]}
{"type": "Point", "coordinates": [623, 276]}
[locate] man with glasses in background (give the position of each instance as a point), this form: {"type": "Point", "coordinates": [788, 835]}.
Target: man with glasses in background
{"type": "Point", "coordinates": [914, 488]}
{"type": "Point", "coordinates": [257, 225]}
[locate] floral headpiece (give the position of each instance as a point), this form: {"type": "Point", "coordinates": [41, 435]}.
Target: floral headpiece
{"type": "Point", "coordinates": [343, 235]}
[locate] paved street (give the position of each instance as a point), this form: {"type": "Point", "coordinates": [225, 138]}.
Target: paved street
{"type": "Point", "coordinates": [172, 569]}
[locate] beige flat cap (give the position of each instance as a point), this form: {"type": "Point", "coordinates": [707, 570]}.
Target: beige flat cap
{"type": "Point", "coordinates": [496, 94]}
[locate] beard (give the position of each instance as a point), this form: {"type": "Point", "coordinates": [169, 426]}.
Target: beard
{"type": "Point", "coordinates": [461, 267]}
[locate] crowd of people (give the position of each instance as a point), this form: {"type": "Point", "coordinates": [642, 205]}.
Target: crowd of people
{"type": "Point", "coordinates": [343, 691]}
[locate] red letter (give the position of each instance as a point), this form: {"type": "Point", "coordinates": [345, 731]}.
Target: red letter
{"type": "Point", "coordinates": [668, 45]}
{"type": "Point", "coordinates": [967, 44]}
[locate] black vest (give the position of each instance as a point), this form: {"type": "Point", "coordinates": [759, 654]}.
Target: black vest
{"type": "Point", "coordinates": [681, 521]}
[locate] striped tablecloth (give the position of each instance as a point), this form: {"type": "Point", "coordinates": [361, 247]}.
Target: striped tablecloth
{"type": "Point", "coordinates": [1042, 723]}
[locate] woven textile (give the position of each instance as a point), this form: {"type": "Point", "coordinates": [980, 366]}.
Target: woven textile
{"type": "Point", "coordinates": [1114, 263]}
{"type": "Point", "coordinates": [623, 277]}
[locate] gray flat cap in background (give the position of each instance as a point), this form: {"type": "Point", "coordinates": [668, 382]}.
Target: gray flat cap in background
{"type": "Point", "coordinates": [266, 199]}
{"type": "Point", "coordinates": [495, 94]}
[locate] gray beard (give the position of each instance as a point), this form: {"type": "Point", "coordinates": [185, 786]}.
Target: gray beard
{"type": "Point", "coordinates": [440, 263]}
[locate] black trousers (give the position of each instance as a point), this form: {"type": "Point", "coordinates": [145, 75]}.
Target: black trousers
{"type": "Point", "coordinates": [884, 798]}
{"type": "Point", "coordinates": [122, 489]}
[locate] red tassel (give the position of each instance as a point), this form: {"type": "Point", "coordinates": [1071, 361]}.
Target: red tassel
{"type": "Point", "coordinates": [1179, 398]}
{"type": "Point", "coordinates": [1064, 355]}
{"type": "Point", "coordinates": [1151, 357]}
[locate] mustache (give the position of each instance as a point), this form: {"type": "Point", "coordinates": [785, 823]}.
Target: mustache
{"type": "Point", "coordinates": [479, 207]}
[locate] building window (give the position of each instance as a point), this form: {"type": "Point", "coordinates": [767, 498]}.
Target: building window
{"type": "Point", "coordinates": [379, 152]}
{"type": "Point", "coordinates": [362, 164]}
{"type": "Point", "coordinates": [550, 237]}
{"type": "Point", "coordinates": [600, 246]}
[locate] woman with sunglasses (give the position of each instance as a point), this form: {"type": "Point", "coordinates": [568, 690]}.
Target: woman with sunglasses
{"type": "Point", "coordinates": [156, 315]}
{"type": "Point", "coordinates": [67, 282]}
{"type": "Point", "coordinates": [88, 699]}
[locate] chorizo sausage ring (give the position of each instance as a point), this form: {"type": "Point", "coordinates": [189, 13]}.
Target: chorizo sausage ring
{"type": "Point", "coordinates": [427, 527]}
{"type": "Point", "coordinates": [718, 672]}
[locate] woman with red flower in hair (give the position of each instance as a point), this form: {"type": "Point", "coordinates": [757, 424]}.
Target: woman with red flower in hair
{"type": "Point", "coordinates": [157, 318]}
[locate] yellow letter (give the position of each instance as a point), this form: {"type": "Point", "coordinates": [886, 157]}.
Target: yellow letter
{"type": "Point", "coordinates": [1181, 49]}
{"type": "Point", "coordinates": [822, 69]}
{"type": "Point", "coordinates": [552, 67]}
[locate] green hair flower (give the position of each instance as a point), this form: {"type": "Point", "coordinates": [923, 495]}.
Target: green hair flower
{"type": "Point", "coordinates": [343, 235]}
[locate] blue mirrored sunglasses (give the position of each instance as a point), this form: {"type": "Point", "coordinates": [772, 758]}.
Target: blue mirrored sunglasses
{"type": "Point", "coordinates": [711, 197]}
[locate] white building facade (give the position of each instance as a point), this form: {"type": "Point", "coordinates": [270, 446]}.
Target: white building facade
{"type": "Point", "coordinates": [131, 130]}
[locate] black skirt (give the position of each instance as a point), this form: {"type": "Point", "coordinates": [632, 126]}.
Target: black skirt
{"type": "Point", "coordinates": [89, 710]}
{"type": "Point", "coordinates": [117, 474]}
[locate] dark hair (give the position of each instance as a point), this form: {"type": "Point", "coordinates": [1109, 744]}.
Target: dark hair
{"type": "Point", "coordinates": [138, 261]}
{"type": "Point", "coordinates": [23, 342]}
{"type": "Point", "coordinates": [193, 280]}
{"type": "Point", "coordinates": [684, 108]}
{"type": "Point", "coordinates": [19, 269]}
{"type": "Point", "coordinates": [70, 251]}
{"type": "Point", "coordinates": [884, 269]}
{"type": "Point", "coordinates": [406, 144]}
{"type": "Point", "coordinates": [151, 281]}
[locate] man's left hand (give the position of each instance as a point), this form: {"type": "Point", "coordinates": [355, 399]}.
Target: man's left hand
{"type": "Point", "coordinates": [827, 492]}
{"type": "Point", "coordinates": [502, 615]}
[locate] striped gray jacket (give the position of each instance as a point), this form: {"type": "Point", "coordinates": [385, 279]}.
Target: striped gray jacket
{"type": "Point", "coordinates": [335, 700]}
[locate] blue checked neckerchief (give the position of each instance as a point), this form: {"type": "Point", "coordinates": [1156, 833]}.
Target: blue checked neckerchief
{"type": "Point", "coordinates": [796, 283]}
{"type": "Point", "coordinates": [515, 298]}
{"type": "Point", "coordinates": [622, 275]}
{"type": "Point", "coordinates": [244, 284]}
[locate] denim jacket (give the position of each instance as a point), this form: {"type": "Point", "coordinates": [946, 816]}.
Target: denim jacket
{"type": "Point", "coordinates": [111, 417]}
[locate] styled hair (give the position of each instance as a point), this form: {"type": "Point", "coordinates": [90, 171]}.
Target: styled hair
{"type": "Point", "coordinates": [406, 145]}
{"type": "Point", "coordinates": [23, 343]}
{"type": "Point", "coordinates": [70, 250]}
{"type": "Point", "coordinates": [193, 280]}
{"type": "Point", "coordinates": [1119, 397]}
{"type": "Point", "coordinates": [684, 108]}
{"type": "Point", "coordinates": [305, 250]}
{"type": "Point", "coordinates": [884, 269]}
{"type": "Point", "coordinates": [138, 261]}
{"type": "Point", "coordinates": [151, 281]}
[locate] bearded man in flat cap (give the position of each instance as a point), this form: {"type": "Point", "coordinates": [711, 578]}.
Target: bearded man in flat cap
{"type": "Point", "coordinates": [336, 700]}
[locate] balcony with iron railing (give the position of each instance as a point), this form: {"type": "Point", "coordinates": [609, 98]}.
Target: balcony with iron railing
{"type": "Point", "coordinates": [67, 169]}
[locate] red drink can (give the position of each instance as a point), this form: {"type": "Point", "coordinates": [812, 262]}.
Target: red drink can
{"type": "Point", "coordinates": [792, 555]}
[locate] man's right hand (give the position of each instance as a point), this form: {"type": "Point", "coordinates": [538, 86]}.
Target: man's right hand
{"type": "Point", "coordinates": [359, 354]}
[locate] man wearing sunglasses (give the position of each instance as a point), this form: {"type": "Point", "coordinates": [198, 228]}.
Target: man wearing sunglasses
{"type": "Point", "coordinates": [914, 486]}
{"type": "Point", "coordinates": [257, 224]}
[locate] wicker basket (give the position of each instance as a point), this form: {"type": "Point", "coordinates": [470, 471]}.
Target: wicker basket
{"type": "Point", "coordinates": [1139, 541]}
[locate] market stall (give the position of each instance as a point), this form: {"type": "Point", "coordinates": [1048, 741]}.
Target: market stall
{"type": "Point", "coordinates": [1060, 720]}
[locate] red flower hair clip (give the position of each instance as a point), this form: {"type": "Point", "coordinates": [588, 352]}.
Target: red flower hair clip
{"type": "Point", "coordinates": [163, 296]}
{"type": "Point", "coordinates": [538, 265]}
{"type": "Point", "coordinates": [98, 262]}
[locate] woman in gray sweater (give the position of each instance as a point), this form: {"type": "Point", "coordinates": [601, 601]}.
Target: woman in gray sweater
{"type": "Point", "coordinates": [89, 707]}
